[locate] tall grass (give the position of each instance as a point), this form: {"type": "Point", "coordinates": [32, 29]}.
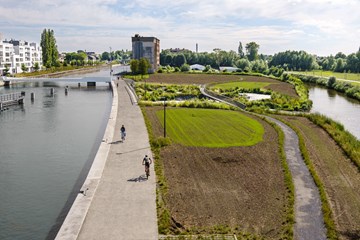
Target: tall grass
{"type": "Point", "coordinates": [163, 214]}
{"type": "Point", "coordinates": [349, 143]}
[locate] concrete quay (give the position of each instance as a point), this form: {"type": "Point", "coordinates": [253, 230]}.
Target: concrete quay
{"type": "Point", "coordinates": [116, 200]}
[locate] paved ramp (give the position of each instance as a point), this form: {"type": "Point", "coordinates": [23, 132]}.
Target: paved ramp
{"type": "Point", "coordinates": [124, 204]}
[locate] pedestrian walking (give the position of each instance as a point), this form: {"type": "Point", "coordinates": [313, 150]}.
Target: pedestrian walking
{"type": "Point", "coordinates": [123, 133]}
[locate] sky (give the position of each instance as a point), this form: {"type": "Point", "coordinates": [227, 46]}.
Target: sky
{"type": "Point", "coordinates": [321, 27]}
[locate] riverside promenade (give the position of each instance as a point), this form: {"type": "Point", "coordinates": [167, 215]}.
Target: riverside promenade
{"type": "Point", "coordinates": [117, 202]}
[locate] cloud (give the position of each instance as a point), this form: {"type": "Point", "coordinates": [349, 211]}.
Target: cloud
{"type": "Point", "coordinates": [275, 25]}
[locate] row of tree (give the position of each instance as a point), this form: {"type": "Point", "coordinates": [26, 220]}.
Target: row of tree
{"type": "Point", "coordinates": [140, 66]}
{"type": "Point", "coordinates": [301, 60]}
{"type": "Point", "coordinates": [215, 59]}
{"type": "Point", "coordinates": [251, 60]}
{"type": "Point", "coordinates": [123, 56]}
{"type": "Point", "coordinates": [50, 54]}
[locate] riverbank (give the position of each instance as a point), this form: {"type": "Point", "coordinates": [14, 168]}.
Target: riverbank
{"type": "Point", "coordinates": [116, 192]}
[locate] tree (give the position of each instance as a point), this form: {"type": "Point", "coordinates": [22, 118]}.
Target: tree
{"type": "Point", "coordinates": [243, 64]}
{"type": "Point", "coordinates": [240, 51]}
{"type": "Point", "coordinates": [340, 64]}
{"type": "Point", "coordinates": [49, 48]}
{"type": "Point", "coordinates": [24, 68]}
{"type": "Point", "coordinates": [340, 55]}
{"type": "Point", "coordinates": [36, 66]}
{"type": "Point", "coordinates": [105, 56]}
{"type": "Point", "coordinates": [179, 60]}
{"type": "Point", "coordinates": [6, 70]}
{"type": "Point", "coordinates": [185, 67]}
{"type": "Point", "coordinates": [134, 66]}
{"type": "Point", "coordinates": [144, 66]}
{"type": "Point", "coordinates": [252, 51]}
{"type": "Point", "coordinates": [331, 82]}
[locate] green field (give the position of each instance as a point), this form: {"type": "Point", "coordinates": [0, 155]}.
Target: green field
{"type": "Point", "coordinates": [319, 73]}
{"type": "Point", "coordinates": [244, 85]}
{"type": "Point", "coordinates": [211, 128]}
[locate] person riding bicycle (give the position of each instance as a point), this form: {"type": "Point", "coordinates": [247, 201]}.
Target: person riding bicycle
{"type": "Point", "coordinates": [147, 161]}
{"type": "Point", "coordinates": [123, 133]}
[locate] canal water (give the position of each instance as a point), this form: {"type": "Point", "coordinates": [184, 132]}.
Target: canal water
{"type": "Point", "coordinates": [336, 106]}
{"type": "Point", "coordinates": [46, 148]}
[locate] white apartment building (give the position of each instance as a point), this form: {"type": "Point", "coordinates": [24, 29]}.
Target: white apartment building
{"type": "Point", "coordinates": [14, 53]}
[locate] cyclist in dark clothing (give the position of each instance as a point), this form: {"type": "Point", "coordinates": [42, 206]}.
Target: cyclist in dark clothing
{"type": "Point", "coordinates": [147, 161]}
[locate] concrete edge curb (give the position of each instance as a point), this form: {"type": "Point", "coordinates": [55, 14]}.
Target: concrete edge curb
{"type": "Point", "coordinates": [74, 220]}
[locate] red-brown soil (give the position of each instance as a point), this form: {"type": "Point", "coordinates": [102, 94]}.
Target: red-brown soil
{"type": "Point", "coordinates": [239, 186]}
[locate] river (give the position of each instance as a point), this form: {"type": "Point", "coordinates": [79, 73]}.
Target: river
{"type": "Point", "coordinates": [46, 148]}
{"type": "Point", "coordinates": [336, 106]}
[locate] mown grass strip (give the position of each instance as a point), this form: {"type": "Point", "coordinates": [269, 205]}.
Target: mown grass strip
{"type": "Point", "coordinates": [325, 206]}
{"type": "Point", "coordinates": [211, 128]}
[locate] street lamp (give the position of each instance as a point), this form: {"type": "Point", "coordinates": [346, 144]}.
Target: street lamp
{"type": "Point", "coordinates": [164, 98]}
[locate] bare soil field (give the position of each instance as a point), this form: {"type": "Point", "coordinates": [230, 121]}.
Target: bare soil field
{"type": "Point", "coordinates": [183, 78]}
{"type": "Point", "coordinates": [240, 187]}
{"type": "Point", "coordinates": [339, 176]}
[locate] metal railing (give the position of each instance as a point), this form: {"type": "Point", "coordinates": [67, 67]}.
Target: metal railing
{"type": "Point", "coordinates": [11, 97]}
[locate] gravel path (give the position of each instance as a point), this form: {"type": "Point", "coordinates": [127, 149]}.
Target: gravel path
{"type": "Point", "coordinates": [309, 223]}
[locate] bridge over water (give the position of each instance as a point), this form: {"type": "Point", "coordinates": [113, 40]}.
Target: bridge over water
{"type": "Point", "coordinates": [91, 81]}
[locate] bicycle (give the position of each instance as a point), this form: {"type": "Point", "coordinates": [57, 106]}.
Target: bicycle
{"type": "Point", "coordinates": [147, 161]}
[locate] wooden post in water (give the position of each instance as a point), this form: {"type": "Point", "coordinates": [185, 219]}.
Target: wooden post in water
{"type": "Point", "coordinates": [32, 96]}
{"type": "Point", "coordinates": [52, 91]}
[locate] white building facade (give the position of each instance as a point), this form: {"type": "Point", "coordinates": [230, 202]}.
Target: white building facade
{"type": "Point", "coordinates": [13, 54]}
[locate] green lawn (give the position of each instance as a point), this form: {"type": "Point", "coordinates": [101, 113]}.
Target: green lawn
{"type": "Point", "coordinates": [245, 85]}
{"type": "Point", "coordinates": [211, 128]}
{"type": "Point", "coordinates": [319, 73]}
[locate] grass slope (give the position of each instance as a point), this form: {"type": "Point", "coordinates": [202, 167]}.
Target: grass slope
{"type": "Point", "coordinates": [211, 128]}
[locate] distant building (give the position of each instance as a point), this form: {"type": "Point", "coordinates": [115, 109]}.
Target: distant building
{"type": "Point", "coordinates": [146, 47]}
{"type": "Point", "coordinates": [15, 53]}
{"type": "Point", "coordinates": [228, 69]}
{"type": "Point", "coordinates": [197, 67]}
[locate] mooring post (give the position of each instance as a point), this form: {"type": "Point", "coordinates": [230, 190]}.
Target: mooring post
{"type": "Point", "coordinates": [52, 91]}
{"type": "Point", "coordinates": [32, 96]}
{"type": "Point", "coordinates": [66, 90]}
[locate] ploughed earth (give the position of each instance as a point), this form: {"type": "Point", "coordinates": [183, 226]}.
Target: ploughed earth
{"type": "Point", "coordinates": [239, 187]}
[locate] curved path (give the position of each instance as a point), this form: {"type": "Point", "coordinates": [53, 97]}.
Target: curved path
{"type": "Point", "coordinates": [119, 202]}
{"type": "Point", "coordinates": [309, 221]}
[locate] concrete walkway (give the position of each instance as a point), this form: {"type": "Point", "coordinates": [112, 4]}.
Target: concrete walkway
{"type": "Point", "coordinates": [119, 202]}
{"type": "Point", "coordinates": [309, 222]}
{"type": "Point", "coordinates": [124, 205]}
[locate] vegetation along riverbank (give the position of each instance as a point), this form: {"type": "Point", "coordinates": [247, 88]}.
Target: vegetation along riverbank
{"type": "Point", "coordinates": [220, 178]}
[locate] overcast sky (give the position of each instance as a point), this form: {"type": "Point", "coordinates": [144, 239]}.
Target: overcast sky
{"type": "Point", "coordinates": [321, 27]}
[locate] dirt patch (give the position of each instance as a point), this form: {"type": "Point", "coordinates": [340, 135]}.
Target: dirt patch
{"type": "Point", "coordinates": [183, 78]}
{"type": "Point", "coordinates": [340, 177]}
{"type": "Point", "coordinates": [238, 186]}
